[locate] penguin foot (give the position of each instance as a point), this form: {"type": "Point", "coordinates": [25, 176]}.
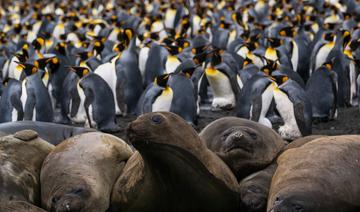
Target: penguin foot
{"type": "Point", "coordinates": [223, 104]}
{"type": "Point", "coordinates": [289, 133]}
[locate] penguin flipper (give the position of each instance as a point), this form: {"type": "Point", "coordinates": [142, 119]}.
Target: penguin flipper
{"type": "Point", "coordinates": [29, 106]}
{"type": "Point", "coordinates": [89, 98]}
{"type": "Point", "coordinates": [300, 118]}
{"type": "Point", "coordinates": [256, 108]}
{"type": "Point", "coordinates": [120, 93]}
{"type": "Point", "coordinates": [16, 103]}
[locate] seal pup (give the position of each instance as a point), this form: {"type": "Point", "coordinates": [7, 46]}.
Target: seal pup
{"type": "Point", "coordinates": [328, 184]}
{"type": "Point", "coordinates": [245, 146]}
{"type": "Point", "coordinates": [173, 170]}
{"type": "Point", "coordinates": [19, 206]}
{"type": "Point", "coordinates": [21, 157]}
{"type": "Point", "coordinates": [50, 132]}
{"type": "Point", "coordinates": [85, 167]}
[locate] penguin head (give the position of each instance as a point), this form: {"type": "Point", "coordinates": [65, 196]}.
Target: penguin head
{"type": "Point", "coordinates": [329, 65]}
{"type": "Point", "coordinates": [288, 32]}
{"type": "Point", "coordinates": [174, 49]}
{"type": "Point", "coordinates": [128, 35]}
{"type": "Point", "coordinates": [42, 63]}
{"type": "Point", "coordinates": [279, 77]}
{"type": "Point", "coordinates": [84, 55]}
{"type": "Point", "coordinates": [182, 42]}
{"type": "Point", "coordinates": [38, 43]}
{"type": "Point", "coordinates": [329, 36]}
{"type": "Point", "coordinates": [346, 37]}
{"type": "Point", "coordinates": [270, 67]}
{"type": "Point", "coordinates": [275, 42]}
{"type": "Point", "coordinates": [119, 47]}
{"type": "Point", "coordinates": [247, 61]}
{"type": "Point", "coordinates": [61, 48]}
{"type": "Point", "coordinates": [162, 80]}
{"type": "Point", "coordinates": [54, 64]}
{"type": "Point", "coordinates": [237, 17]}
{"type": "Point", "coordinates": [80, 71]}
{"type": "Point", "coordinates": [27, 68]}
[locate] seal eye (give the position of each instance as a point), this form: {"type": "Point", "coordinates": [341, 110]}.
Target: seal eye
{"type": "Point", "coordinates": [156, 119]}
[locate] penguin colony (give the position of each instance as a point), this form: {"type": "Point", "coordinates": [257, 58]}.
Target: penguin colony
{"type": "Point", "coordinates": [278, 66]}
{"type": "Point", "coordinates": [283, 64]}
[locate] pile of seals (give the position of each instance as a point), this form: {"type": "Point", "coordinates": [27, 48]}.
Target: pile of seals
{"type": "Point", "coordinates": [233, 165]}
{"type": "Point", "coordinates": [280, 63]}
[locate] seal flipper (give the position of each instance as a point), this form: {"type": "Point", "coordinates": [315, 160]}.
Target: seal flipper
{"type": "Point", "coordinates": [256, 108]}
{"type": "Point", "coordinates": [300, 119]}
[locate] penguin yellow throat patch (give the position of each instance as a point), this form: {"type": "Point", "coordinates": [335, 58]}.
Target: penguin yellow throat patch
{"type": "Point", "coordinates": [271, 54]}
{"type": "Point", "coordinates": [211, 72]}
{"type": "Point", "coordinates": [167, 91]}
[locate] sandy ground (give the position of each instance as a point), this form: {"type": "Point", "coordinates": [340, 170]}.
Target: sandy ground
{"type": "Point", "coordinates": [348, 122]}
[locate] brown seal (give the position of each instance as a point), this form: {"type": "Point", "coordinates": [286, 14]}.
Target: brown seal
{"type": "Point", "coordinates": [246, 146]}
{"type": "Point", "coordinates": [321, 175]}
{"type": "Point", "coordinates": [19, 206]}
{"type": "Point", "coordinates": [254, 190]}
{"type": "Point", "coordinates": [78, 175]}
{"type": "Point", "coordinates": [173, 171]}
{"type": "Point", "coordinates": [21, 158]}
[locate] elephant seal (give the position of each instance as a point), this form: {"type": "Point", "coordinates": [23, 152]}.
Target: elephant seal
{"type": "Point", "coordinates": [78, 175]}
{"type": "Point", "coordinates": [254, 190]}
{"type": "Point", "coordinates": [53, 133]}
{"type": "Point", "coordinates": [173, 171]}
{"type": "Point", "coordinates": [244, 145]}
{"type": "Point", "coordinates": [321, 175]}
{"type": "Point", "coordinates": [19, 206]}
{"type": "Point", "coordinates": [21, 157]}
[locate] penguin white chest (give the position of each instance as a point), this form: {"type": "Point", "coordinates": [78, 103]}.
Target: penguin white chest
{"type": "Point", "coordinates": [322, 54]}
{"type": "Point", "coordinates": [266, 98]}
{"type": "Point", "coordinates": [353, 85]}
{"type": "Point", "coordinates": [170, 18]}
{"type": "Point", "coordinates": [23, 96]}
{"type": "Point", "coordinates": [80, 116]}
{"type": "Point", "coordinates": [224, 96]}
{"type": "Point", "coordinates": [295, 55]}
{"type": "Point", "coordinates": [107, 72]}
{"type": "Point", "coordinates": [290, 129]}
{"type": "Point", "coordinates": [143, 57]}
{"type": "Point", "coordinates": [172, 63]}
{"type": "Point", "coordinates": [163, 101]}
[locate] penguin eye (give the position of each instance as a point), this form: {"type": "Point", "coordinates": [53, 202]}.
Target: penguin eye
{"type": "Point", "coordinates": [156, 119]}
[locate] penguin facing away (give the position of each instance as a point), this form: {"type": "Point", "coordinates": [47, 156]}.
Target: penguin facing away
{"type": "Point", "coordinates": [322, 91]}
{"type": "Point", "coordinates": [10, 103]}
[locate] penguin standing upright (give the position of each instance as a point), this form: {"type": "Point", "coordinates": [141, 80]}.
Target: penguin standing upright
{"type": "Point", "coordinates": [163, 100]}
{"type": "Point", "coordinates": [294, 108]}
{"type": "Point", "coordinates": [130, 84]}
{"type": "Point", "coordinates": [322, 91]}
{"type": "Point", "coordinates": [224, 84]}
{"type": "Point", "coordinates": [99, 101]}
{"type": "Point", "coordinates": [35, 96]}
{"type": "Point", "coordinates": [10, 103]}
{"type": "Point", "coordinates": [255, 98]}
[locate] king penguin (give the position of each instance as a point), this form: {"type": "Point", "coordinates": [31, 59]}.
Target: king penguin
{"type": "Point", "coordinates": [294, 107]}
{"type": "Point", "coordinates": [35, 96]}
{"type": "Point", "coordinates": [224, 83]}
{"type": "Point", "coordinates": [255, 98]}
{"type": "Point", "coordinates": [322, 91]}
{"type": "Point", "coordinates": [10, 103]}
{"type": "Point", "coordinates": [99, 101]}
